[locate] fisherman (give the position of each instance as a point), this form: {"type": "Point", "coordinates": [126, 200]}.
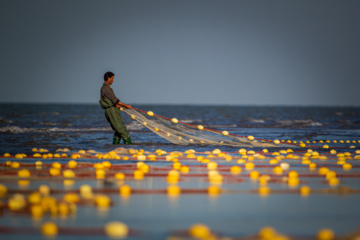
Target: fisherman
{"type": "Point", "coordinates": [111, 104]}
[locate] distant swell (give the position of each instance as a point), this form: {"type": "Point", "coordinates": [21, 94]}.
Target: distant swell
{"type": "Point", "coordinates": [15, 129]}
{"type": "Point", "coordinates": [306, 122]}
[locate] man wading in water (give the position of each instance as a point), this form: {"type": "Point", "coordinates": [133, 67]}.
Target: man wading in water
{"type": "Point", "coordinates": [111, 104]}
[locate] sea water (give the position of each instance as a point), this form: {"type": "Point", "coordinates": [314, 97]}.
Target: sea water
{"type": "Point", "coordinates": [155, 216]}
{"type": "Point", "coordinates": [81, 126]}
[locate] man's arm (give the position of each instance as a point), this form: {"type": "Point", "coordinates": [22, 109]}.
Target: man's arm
{"type": "Point", "coordinates": [120, 104]}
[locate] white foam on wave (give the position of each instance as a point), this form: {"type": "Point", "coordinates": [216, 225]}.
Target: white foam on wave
{"type": "Point", "coordinates": [223, 126]}
{"type": "Point", "coordinates": [134, 125]}
{"type": "Point", "coordinates": [55, 129]}
{"type": "Point", "coordinates": [5, 121]}
{"type": "Point", "coordinates": [16, 129]}
{"type": "Point", "coordinates": [190, 120]}
{"type": "Point", "coordinates": [306, 122]}
{"type": "Point", "coordinates": [256, 120]}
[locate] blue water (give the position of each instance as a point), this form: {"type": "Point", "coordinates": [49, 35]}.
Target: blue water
{"type": "Point", "coordinates": [156, 216]}
{"type": "Point", "coordinates": [80, 126]}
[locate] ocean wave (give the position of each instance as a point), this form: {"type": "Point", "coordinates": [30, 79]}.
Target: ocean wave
{"type": "Point", "coordinates": [256, 120]}
{"type": "Point", "coordinates": [306, 122]}
{"type": "Point", "coordinates": [190, 120]}
{"type": "Point", "coordinates": [5, 121]}
{"type": "Point", "coordinates": [222, 126]}
{"type": "Point", "coordinates": [49, 123]}
{"type": "Point", "coordinates": [16, 129]}
{"type": "Point", "coordinates": [134, 125]}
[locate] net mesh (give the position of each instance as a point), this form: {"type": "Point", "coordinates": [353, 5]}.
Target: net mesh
{"type": "Point", "coordinates": [186, 134]}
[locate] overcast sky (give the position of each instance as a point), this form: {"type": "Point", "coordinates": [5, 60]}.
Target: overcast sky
{"type": "Point", "coordinates": [182, 52]}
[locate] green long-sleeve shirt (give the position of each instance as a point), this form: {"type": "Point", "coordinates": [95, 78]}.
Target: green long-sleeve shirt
{"type": "Point", "coordinates": [108, 92]}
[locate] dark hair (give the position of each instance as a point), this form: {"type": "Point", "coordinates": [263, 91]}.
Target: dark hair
{"type": "Point", "coordinates": [108, 75]}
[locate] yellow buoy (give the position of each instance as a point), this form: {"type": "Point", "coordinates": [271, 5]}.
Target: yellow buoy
{"type": "Point", "coordinates": [86, 191]}
{"type": "Point", "coordinates": [37, 211]}
{"type": "Point", "coordinates": [200, 231]}
{"type": "Point", "coordinates": [263, 180]}
{"type": "Point", "coordinates": [235, 170]}
{"type": "Point", "coordinates": [116, 230]}
{"type": "Point", "coordinates": [305, 190]}
{"type": "Point", "coordinates": [71, 198]}
{"type": "Point", "coordinates": [68, 173]}
{"type": "Point", "coordinates": [17, 202]}
{"type": "Point", "coordinates": [102, 200]}
{"type": "Point", "coordinates": [150, 113]}
{"type": "Point", "coordinates": [106, 164]}
{"type": "Point", "coordinates": [3, 190]}
{"type": "Point", "coordinates": [212, 165]}
{"type": "Point", "coordinates": [125, 190]}
{"type": "Point", "coordinates": [75, 156]}
{"type": "Point", "coordinates": [119, 176]}
{"type": "Point", "coordinates": [325, 234]}
{"type": "Point", "coordinates": [184, 169]}
{"type": "Point", "coordinates": [54, 171]}
{"type": "Point", "coordinates": [284, 166]}
{"type": "Point", "coordinates": [72, 164]}
{"type": "Point", "coordinates": [100, 173]}
{"type": "Point", "coordinates": [44, 190]}
{"type": "Point", "coordinates": [334, 181]}
{"type": "Point", "coordinates": [15, 165]}
{"type": "Point", "coordinates": [225, 133]}
{"type": "Point", "coordinates": [264, 190]}
{"type": "Point", "coordinates": [213, 190]}
{"type": "Point", "coordinates": [293, 174]}
{"type": "Point", "coordinates": [277, 170]}
{"type": "Point", "coordinates": [347, 166]}
{"type": "Point", "coordinates": [292, 182]}
{"type": "Point", "coordinates": [138, 174]}
{"type": "Point", "coordinates": [173, 190]}
{"type": "Point", "coordinates": [249, 166]}
{"type": "Point", "coordinates": [141, 157]}
{"type": "Point", "coordinates": [56, 165]}
{"type": "Point", "coordinates": [174, 120]}
{"type": "Point", "coordinates": [200, 127]}
{"type": "Point", "coordinates": [323, 170]}
{"type": "Point", "coordinates": [312, 166]}
{"type": "Point", "coordinates": [24, 173]}
{"type": "Point", "coordinates": [49, 229]}
{"type": "Point", "coordinates": [254, 174]}
{"type": "Point", "coordinates": [267, 233]}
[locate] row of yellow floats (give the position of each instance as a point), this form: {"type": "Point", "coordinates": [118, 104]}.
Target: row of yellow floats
{"type": "Point", "coordinates": [215, 179]}
{"type": "Point", "coordinates": [41, 202]}
{"type": "Point", "coordinates": [119, 230]}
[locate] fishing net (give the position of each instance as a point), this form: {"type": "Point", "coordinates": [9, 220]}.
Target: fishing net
{"type": "Point", "coordinates": [182, 133]}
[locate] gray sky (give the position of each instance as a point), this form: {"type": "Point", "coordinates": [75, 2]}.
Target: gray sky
{"type": "Point", "coordinates": [182, 52]}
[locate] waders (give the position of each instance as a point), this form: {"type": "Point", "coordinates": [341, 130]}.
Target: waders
{"type": "Point", "coordinates": [113, 116]}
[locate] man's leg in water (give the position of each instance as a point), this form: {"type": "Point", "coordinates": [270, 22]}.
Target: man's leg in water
{"type": "Point", "coordinates": [114, 117]}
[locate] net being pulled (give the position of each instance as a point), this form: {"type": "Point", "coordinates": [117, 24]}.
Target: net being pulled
{"type": "Point", "coordinates": [186, 134]}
